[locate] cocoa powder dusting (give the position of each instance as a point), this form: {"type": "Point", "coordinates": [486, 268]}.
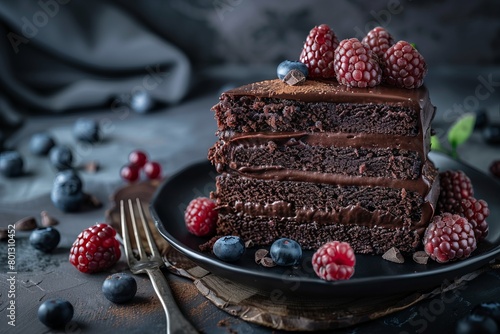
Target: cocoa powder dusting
{"type": "Point", "coordinates": [135, 311]}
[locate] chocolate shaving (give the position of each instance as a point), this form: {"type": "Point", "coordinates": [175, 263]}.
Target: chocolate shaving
{"type": "Point", "coordinates": [267, 262]}
{"type": "Point", "coordinates": [92, 201]}
{"type": "Point", "coordinates": [48, 220]}
{"type": "Point", "coordinates": [207, 246]}
{"type": "Point", "coordinates": [260, 254]}
{"type": "Point", "coordinates": [420, 257]}
{"type": "Point", "coordinates": [393, 255]}
{"type": "Point", "coordinates": [25, 224]}
{"type": "Point", "coordinates": [91, 166]}
{"type": "Point", "coordinates": [294, 77]}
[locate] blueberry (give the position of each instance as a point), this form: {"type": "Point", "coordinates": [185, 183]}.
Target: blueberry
{"type": "Point", "coordinates": [481, 119]}
{"type": "Point", "coordinates": [287, 65]}
{"type": "Point", "coordinates": [86, 130]}
{"type": "Point", "coordinates": [490, 309]}
{"type": "Point", "coordinates": [491, 134]}
{"type": "Point", "coordinates": [476, 324]}
{"type": "Point", "coordinates": [67, 194]}
{"type": "Point", "coordinates": [55, 313]}
{"type": "Point", "coordinates": [229, 248]}
{"type": "Point", "coordinates": [45, 239]}
{"type": "Point", "coordinates": [119, 288]}
{"type": "Point", "coordinates": [61, 157]}
{"type": "Point", "coordinates": [141, 102]}
{"type": "Point", "coordinates": [286, 252]}
{"type": "Point", "coordinates": [41, 143]}
{"type": "Point", "coordinates": [11, 164]}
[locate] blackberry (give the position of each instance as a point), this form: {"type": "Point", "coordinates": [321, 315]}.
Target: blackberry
{"type": "Point", "coordinates": [379, 40]}
{"type": "Point", "coordinates": [448, 238]}
{"type": "Point", "coordinates": [356, 65]}
{"type": "Point", "coordinates": [318, 51]}
{"type": "Point", "coordinates": [455, 186]}
{"type": "Point", "coordinates": [476, 212]}
{"type": "Point", "coordinates": [404, 66]}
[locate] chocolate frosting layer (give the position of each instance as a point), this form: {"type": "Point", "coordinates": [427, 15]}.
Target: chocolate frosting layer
{"type": "Point", "coordinates": [332, 91]}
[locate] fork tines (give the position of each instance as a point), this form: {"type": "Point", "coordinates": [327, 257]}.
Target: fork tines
{"type": "Point", "coordinates": [135, 214]}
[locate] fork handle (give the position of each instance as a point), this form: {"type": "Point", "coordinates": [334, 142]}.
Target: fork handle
{"type": "Point", "coordinates": [176, 322]}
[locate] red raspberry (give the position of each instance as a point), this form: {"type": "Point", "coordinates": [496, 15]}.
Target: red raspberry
{"type": "Point", "coordinates": [95, 249]}
{"type": "Point", "coordinates": [455, 186]}
{"type": "Point", "coordinates": [495, 168]}
{"type": "Point", "coordinates": [318, 50]}
{"type": "Point", "coordinates": [448, 238]}
{"type": "Point", "coordinates": [334, 260]}
{"type": "Point", "coordinates": [356, 65]}
{"type": "Point", "coordinates": [476, 212]}
{"type": "Point", "coordinates": [404, 66]}
{"type": "Point", "coordinates": [201, 216]}
{"type": "Point", "coordinates": [379, 41]}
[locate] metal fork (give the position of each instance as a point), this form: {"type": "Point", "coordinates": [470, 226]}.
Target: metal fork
{"type": "Point", "coordinates": [151, 264]}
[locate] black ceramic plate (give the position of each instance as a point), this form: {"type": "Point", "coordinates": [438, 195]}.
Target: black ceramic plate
{"type": "Point", "coordinates": [373, 275]}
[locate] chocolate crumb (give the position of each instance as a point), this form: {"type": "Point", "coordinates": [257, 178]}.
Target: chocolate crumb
{"type": "Point", "coordinates": [207, 246]}
{"type": "Point", "coordinates": [267, 262]}
{"type": "Point", "coordinates": [91, 166]}
{"type": "Point", "coordinates": [92, 201]}
{"type": "Point", "coordinates": [223, 323]}
{"type": "Point", "coordinates": [420, 257]}
{"type": "Point", "coordinates": [249, 244]}
{"type": "Point", "coordinates": [260, 254]}
{"type": "Point", "coordinates": [25, 224]}
{"type": "Point", "coordinates": [294, 77]}
{"type": "Point", "coordinates": [48, 220]}
{"type": "Point", "coordinates": [393, 255]}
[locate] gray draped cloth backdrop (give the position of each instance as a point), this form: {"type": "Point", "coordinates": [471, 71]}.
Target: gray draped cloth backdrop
{"type": "Point", "coordinates": [62, 55]}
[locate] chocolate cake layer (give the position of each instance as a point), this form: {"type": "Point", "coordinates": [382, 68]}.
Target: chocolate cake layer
{"type": "Point", "coordinates": [255, 114]}
{"type": "Point", "coordinates": [317, 106]}
{"type": "Point", "coordinates": [311, 235]}
{"type": "Point", "coordinates": [298, 154]}
{"type": "Point", "coordinates": [322, 203]}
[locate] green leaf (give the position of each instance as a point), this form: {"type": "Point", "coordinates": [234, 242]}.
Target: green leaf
{"type": "Point", "coordinates": [461, 130]}
{"type": "Point", "coordinates": [436, 144]}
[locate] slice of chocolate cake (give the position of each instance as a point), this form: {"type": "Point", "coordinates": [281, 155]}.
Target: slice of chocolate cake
{"type": "Point", "coordinates": [320, 161]}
